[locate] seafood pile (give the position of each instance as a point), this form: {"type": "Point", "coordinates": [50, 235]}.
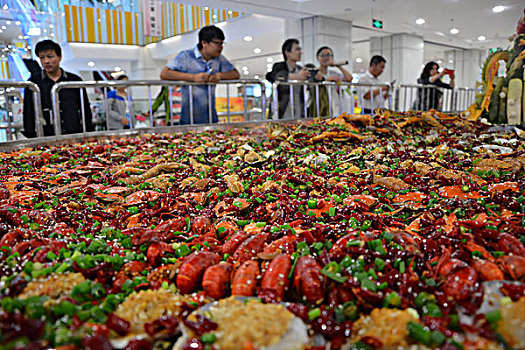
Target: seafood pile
{"type": "Point", "coordinates": [396, 231]}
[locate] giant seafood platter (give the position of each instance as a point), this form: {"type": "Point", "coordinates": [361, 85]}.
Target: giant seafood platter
{"type": "Point", "coordinates": [396, 231]}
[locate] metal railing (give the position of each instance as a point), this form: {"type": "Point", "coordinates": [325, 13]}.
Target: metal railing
{"type": "Point", "coordinates": [400, 97]}
{"type": "Point", "coordinates": [424, 97]}
{"type": "Point", "coordinates": [5, 85]}
{"type": "Point", "coordinates": [148, 84]}
{"type": "Point", "coordinates": [311, 92]}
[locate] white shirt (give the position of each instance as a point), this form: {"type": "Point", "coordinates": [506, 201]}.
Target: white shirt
{"type": "Point", "coordinates": [378, 100]}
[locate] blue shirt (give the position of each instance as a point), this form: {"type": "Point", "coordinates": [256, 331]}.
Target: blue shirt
{"type": "Point", "coordinates": [191, 61]}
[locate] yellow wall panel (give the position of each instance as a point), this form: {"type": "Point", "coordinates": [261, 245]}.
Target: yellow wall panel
{"type": "Point", "coordinates": [109, 24]}
{"type": "Point", "coordinates": [116, 27]}
{"type": "Point", "coordinates": [129, 28]}
{"type": "Point", "coordinates": [69, 27]}
{"type": "Point", "coordinates": [90, 24]}
{"type": "Point", "coordinates": [74, 24]}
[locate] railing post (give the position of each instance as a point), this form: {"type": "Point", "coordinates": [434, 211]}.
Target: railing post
{"type": "Point", "coordinates": [245, 104]}
{"type": "Point", "coordinates": [228, 102]}
{"type": "Point", "coordinates": [56, 110]}
{"type": "Point", "coordinates": [150, 106]}
{"type": "Point", "coordinates": [292, 101]}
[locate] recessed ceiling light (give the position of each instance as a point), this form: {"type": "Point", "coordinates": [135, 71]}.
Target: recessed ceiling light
{"type": "Point", "coordinates": [214, 16]}
{"type": "Point", "coordinates": [482, 38]}
{"type": "Point", "coordinates": [257, 50]}
{"type": "Point", "coordinates": [420, 21]}
{"type": "Point", "coordinates": [269, 69]}
{"type": "Point", "coordinates": [450, 61]}
{"type": "Point", "coordinates": [4, 27]}
{"type": "Point", "coordinates": [244, 68]}
{"type": "Point", "coordinates": [269, 59]}
{"type": "Point", "coordinates": [17, 23]}
{"type": "Point", "coordinates": [206, 8]}
{"type": "Point", "coordinates": [498, 8]}
{"type": "Point", "coordinates": [117, 69]}
{"type": "Point", "coordinates": [269, 65]}
{"type": "Point", "coordinates": [246, 72]}
{"type": "Point", "coordinates": [51, 26]}
{"type": "Point", "coordinates": [91, 63]}
{"type": "Point", "coordinates": [52, 34]}
{"type": "Point", "coordinates": [439, 61]}
{"type": "Point", "coordinates": [359, 60]}
{"type": "Point", "coordinates": [256, 77]}
{"type": "Point", "coordinates": [248, 38]}
{"type": "Point", "coordinates": [8, 22]}
{"type": "Point", "coordinates": [230, 12]}
{"type": "Point", "coordinates": [5, 7]}
{"type": "Point", "coordinates": [454, 31]}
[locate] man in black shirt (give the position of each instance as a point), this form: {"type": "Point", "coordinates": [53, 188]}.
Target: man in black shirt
{"type": "Point", "coordinates": [50, 55]}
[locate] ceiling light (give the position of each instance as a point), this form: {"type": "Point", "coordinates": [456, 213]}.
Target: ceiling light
{"type": "Point", "coordinates": [91, 63]}
{"type": "Point", "coordinates": [359, 60]}
{"type": "Point", "coordinates": [498, 8]}
{"type": "Point", "coordinates": [206, 8]}
{"type": "Point", "coordinates": [269, 59]}
{"type": "Point", "coordinates": [439, 61]}
{"type": "Point", "coordinates": [454, 31]}
{"type": "Point", "coordinates": [246, 72]}
{"type": "Point", "coordinates": [8, 22]}
{"type": "Point", "coordinates": [230, 12]}
{"type": "Point", "coordinates": [450, 61]}
{"type": "Point", "coordinates": [244, 68]}
{"type": "Point", "coordinates": [256, 77]}
{"type": "Point", "coordinates": [51, 26]}
{"type": "Point", "coordinates": [214, 16]}
{"type": "Point", "coordinates": [52, 34]}
{"type": "Point", "coordinates": [420, 21]}
{"type": "Point", "coordinates": [117, 69]}
{"type": "Point", "coordinates": [248, 38]}
{"type": "Point", "coordinates": [17, 23]}
{"type": "Point", "coordinates": [257, 50]}
{"type": "Point", "coordinates": [269, 69]}
{"type": "Point", "coordinates": [482, 38]}
{"type": "Point", "coordinates": [5, 7]}
{"type": "Point", "coordinates": [269, 65]}
{"type": "Point", "coordinates": [4, 27]}
{"type": "Point", "coordinates": [20, 37]}
{"type": "Point", "coordinates": [34, 31]}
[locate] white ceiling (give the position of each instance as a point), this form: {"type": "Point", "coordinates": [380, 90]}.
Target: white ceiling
{"type": "Point", "coordinates": [471, 17]}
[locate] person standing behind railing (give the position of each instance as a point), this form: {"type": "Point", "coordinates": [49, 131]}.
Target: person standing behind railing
{"type": "Point", "coordinates": [289, 70]}
{"type": "Point", "coordinates": [118, 108]}
{"type": "Point", "coordinates": [334, 72]}
{"type": "Point", "coordinates": [202, 64]}
{"type": "Point", "coordinates": [373, 98]}
{"type": "Point", "coordinates": [429, 97]}
{"type": "Point", "coordinates": [50, 55]}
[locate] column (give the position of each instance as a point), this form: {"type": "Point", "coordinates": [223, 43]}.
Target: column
{"type": "Point", "coordinates": [315, 32]}
{"type": "Point", "coordinates": [404, 56]}
{"type": "Point", "coordinates": [466, 64]}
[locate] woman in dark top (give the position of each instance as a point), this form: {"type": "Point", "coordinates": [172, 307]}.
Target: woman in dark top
{"type": "Point", "coordinates": [429, 98]}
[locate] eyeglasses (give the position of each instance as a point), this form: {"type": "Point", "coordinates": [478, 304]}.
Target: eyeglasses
{"type": "Point", "coordinates": [218, 43]}
{"type": "Point", "coordinates": [326, 55]}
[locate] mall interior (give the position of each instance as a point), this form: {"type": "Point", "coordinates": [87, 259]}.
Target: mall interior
{"type": "Point", "coordinates": [102, 39]}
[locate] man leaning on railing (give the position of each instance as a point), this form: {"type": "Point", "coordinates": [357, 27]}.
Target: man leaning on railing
{"type": "Point", "coordinates": [202, 64]}
{"type": "Point", "coordinates": [50, 55]}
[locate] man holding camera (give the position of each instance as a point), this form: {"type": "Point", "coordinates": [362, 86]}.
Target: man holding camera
{"type": "Point", "coordinates": [285, 71]}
